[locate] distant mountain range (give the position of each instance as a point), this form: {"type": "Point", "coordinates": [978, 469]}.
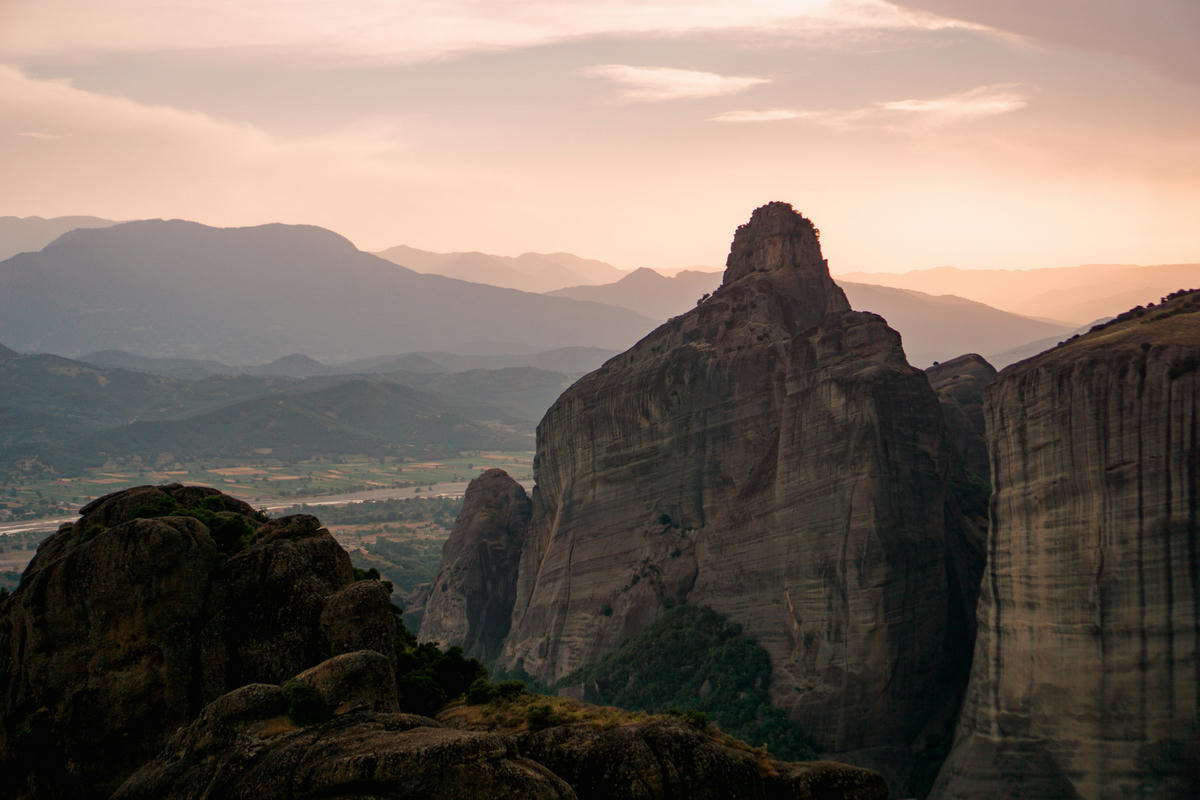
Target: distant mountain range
{"type": "Point", "coordinates": [1073, 295]}
{"type": "Point", "coordinates": [249, 295]}
{"type": "Point", "coordinates": [29, 234]}
{"type": "Point", "coordinates": [198, 298]}
{"type": "Point", "coordinates": [531, 272]}
{"type": "Point", "coordinates": [65, 415]}
{"type": "Point", "coordinates": [933, 328]}
{"type": "Point", "coordinates": [570, 361]}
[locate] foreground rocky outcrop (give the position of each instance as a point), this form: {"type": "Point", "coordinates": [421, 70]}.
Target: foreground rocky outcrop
{"type": "Point", "coordinates": [960, 383]}
{"type": "Point", "coordinates": [335, 731]}
{"type": "Point", "coordinates": [664, 758]}
{"type": "Point", "coordinates": [1087, 664]}
{"type": "Point", "coordinates": [772, 455]}
{"type": "Point", "coordinates": [471, 599]}
{"type": "Point", "coordinates": [157, 601]}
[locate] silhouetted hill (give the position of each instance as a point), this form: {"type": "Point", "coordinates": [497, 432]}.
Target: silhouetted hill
{"type": "Point", "coordinates": [185, 368]}
{"type": "Point", "coordinates": [28, 234]}
{"type": "Point", "coordinates": [531, 272]}
{"type": "Point", "coordinates": [937, 327]}
{"type": "Point", "coordinates": [250, 295]}
{"type": "Point", "coordinates": [6, 353]}
{"type": "Point", "coordinates": [357, 416]}
{"type": "Point", "coordinates": [1072, 294]}
{"type": "Point", "coordinates": [293, 366]}
{"type": "Point", "coordinates": [649, 293]}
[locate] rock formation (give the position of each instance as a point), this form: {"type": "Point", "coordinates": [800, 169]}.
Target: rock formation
{"type": "Point", "coordinates": [959, 384]}
{"type": "Point", "coordinates": [155, 602]}
{"type": "Point", "coordinates": [351, 742]}
{"type": "Point", "coordinates": [1087, 663]}
{"type": "Point", "coordinates": [336, 731]}
{"type": "Point", "coordinates": [471, 599]}
{"type": "Point", "coordinates": [772, 455]}
{"type": "Point", "coordinates": [667, 758]}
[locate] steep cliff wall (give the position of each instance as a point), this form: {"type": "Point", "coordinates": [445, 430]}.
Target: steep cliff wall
{"type": "Point", "coordinates": [772, 455]}
{"type": "Point", "coordinates": [471, 599]}
{"type": "Point", "coordinates": [1087, 663]}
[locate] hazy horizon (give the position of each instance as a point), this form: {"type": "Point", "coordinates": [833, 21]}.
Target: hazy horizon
{"type": "Point", "coordinates": [914, 134]}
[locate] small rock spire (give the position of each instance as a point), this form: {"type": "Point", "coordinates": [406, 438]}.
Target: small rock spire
{"type": "Point", "coordinates": [782, 245]}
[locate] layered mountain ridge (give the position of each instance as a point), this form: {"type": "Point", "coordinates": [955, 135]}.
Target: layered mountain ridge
{"type": "Point", "coordinates": [177, 288]}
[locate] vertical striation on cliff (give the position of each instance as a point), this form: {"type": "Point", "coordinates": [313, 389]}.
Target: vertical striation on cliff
{"type": "Point", "coordinates": [471, 599]}
{"type": "Point", "coordinates": [772, 455]}
{"type": "Point", "coordinates": [1087, 662]}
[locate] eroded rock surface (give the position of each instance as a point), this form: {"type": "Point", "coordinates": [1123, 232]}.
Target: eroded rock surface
{"type": "Point", "coordinates": [127, 622]}
{"type": "Point", "coordinates": [1087, 663]}
{"type": "Point", "coordinates": [662, 759]}
{"type": "Point", "coordinates": [960, 383]}
{"type": "Point", "coordinates": [772, 455]}
{"type": "Point", "coordinates": [471, 599]}
{"type": "Point", "coordinates": [252, 743]}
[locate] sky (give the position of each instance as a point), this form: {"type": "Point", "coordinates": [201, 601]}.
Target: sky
{"type": "Point", "coordinates": [974, 133]}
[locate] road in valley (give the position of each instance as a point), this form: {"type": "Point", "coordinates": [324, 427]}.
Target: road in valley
{"type": "Point", "coordinates": [275, 504]}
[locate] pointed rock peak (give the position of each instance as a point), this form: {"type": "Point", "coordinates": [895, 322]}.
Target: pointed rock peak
{"type": "Point", "coordinates": [782, 246]}
{"type": "Point", "coordinates": [776, 238]}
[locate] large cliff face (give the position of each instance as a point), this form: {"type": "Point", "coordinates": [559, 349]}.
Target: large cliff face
{"type": "Point", "coordinates": [129, 620]}
{"type": "Point", "coordinates": [1087, 663]}
{"type": "Point", "coordinates": [471, 599]}
{"type": "Point", "coordinates": [772, 455]}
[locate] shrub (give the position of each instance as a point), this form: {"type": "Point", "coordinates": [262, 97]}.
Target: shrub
{"type": "Point", "coordinates": [305, 706]}
{"type": "Point", "coordinates": [539, 716]}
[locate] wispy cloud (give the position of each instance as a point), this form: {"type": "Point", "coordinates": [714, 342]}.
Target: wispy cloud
{"type": "Point", "coordinates": [650, 84]}
{"type": "Point", "coordinates": [765, 115]}
{"type": "Point", "coordinates": [982, 101]}
{"type": "Point", "coordinates": [411, 30]}
{"type": "Point", "coordinates": [909, 114]}
{"type": "Point", "coordinates": [37, 135]}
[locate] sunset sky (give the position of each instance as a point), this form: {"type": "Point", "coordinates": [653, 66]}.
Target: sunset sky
{"type": "Point", "coordinates": [1024, 133]}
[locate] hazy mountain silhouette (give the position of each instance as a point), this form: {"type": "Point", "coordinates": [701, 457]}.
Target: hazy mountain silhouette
{"type": "Point", "coordinates": [565, 360]}
{"type": "Point", "coordinates": [29, 234]}
{"type": "Point", "coordinates": [934, 328]}
{"type": "Point", "coordinates": [1071, 294]}
{"type": "Point", "coordinates": [250, 295]}
{"type": "Point", "coordinates": [295, 365]}
{"type": "Point", "coordinates": [355, 416]}
{"type": "Point", "coordinates": [531, 272]}
{"type": "Point", "coordinates": [186, 368]}
{"type": "Point", "coordinates": [1031, 349]}
{"type": "Point", "coordinates": [648, 292]}
{"type": "Point", "coordinates": [938, 327]}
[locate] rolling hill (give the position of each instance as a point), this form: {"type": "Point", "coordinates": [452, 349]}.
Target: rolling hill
{"type": "Point", "coordinates": [29, 234]}
{"type": "Point", "coordinates": [250, 295]}
{"type": "Point", "coordinates": [531, 272]}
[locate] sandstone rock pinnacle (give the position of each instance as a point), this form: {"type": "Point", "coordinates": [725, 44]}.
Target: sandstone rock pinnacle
{"type": "Point", "coordinates": [770, 454]}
